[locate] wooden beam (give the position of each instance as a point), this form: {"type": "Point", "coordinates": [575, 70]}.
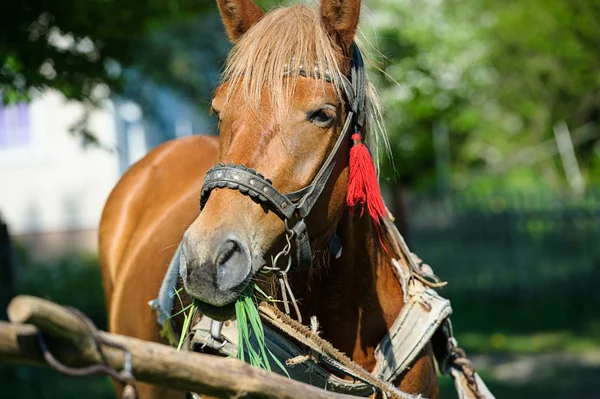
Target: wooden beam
{"type": "Point", "coordinates": [152, 362]}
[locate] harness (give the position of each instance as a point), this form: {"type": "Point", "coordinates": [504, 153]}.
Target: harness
{"type": "Point", "coordinates": [424, 317]}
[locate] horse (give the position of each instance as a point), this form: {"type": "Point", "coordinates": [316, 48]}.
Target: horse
{"type": "Point", "coordinates": [281, 106]}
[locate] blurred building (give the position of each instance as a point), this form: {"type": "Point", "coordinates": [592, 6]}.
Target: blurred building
{"type": "Point", "coordinates": [53, 186]}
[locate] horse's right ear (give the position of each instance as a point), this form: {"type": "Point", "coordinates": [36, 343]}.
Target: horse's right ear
{"type": "Point", "coordinates": [340, 18]}
{"type": "Point", "coordinates": [239, 16]}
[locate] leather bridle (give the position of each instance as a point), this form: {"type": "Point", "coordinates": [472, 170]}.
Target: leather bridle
{"type": "Point", "coordinates": [299, 203]}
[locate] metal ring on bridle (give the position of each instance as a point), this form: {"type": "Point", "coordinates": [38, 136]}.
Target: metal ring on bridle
{"type": "Point", "coordinates": [288, 229]}
{"type": "Point", "coordinates": [276, 260]}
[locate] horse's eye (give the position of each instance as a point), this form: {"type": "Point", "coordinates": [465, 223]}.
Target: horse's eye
{"type": "Point", "coordinates": [323, 116]}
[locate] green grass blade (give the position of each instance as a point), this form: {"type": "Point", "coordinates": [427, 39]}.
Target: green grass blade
{"type": "Point", "coordinates": [265, 297]}
{"type": "Point", "coordinates": [186, 326]}
{"type": "Point", "coordinates": [254, 351]}
{"type": "Point", "coordinates": [279, 364]}
{"type": "Point", "coordinates": [257, 328]}
{"type": "Point", "coordinates": [181, 311]}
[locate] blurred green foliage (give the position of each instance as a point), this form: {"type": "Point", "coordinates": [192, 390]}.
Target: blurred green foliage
{"type": "Point", "coordinates": [522, 272]}
{"type": "Point", "coordinates": [73, 46]}
{"type": "Point", "coordinates": [70, 280]}
{"type": "Point", "coordinates": [472, 89]}
{"type": "Point", "coordinates": [83, 48]}
{"type": "Point", "coordinates": [497, 77]}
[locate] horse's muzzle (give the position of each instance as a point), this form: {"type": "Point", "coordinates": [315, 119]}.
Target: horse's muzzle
{"type": "Point", "coordinates": [216, 277]}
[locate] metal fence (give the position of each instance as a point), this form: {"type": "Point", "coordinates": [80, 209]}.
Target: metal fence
{"type": "Point", "coordinates": [523, 245]}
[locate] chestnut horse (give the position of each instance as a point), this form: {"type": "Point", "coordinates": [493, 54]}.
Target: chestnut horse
{"type": "Point", "coordinates": [281, 106]}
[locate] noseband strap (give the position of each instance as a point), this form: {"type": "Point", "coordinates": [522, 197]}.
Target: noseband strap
{"type": "Point", "coordinates": [249, 182]}
{"type": "Point", "coordinates": [299, 203]}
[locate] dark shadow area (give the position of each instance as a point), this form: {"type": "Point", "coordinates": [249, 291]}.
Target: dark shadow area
{"type": "Point", "coordinates": [34, 383]}
{"type": "Point", "coordinates": [519, 264]}
{"type": "Point", "coordinates": [549, 381]}
{"type": "Point", "coordinates": [70, 280]}
{"type": "Point", "coordinates": [522, 271]}
{"type": "Point", "coordinates": [7, 280]}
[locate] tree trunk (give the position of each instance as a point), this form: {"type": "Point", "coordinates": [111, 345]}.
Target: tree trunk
{"type": "Point", "coordinates": [7, 289]}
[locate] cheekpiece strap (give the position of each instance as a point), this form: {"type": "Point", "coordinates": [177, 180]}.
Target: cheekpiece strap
{"type": "Point", "coordinates": [302, 243]}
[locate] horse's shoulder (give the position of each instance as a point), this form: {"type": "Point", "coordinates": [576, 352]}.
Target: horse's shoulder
{"type": "Point", "coordinates": [182, 147]}
{"type": "Point", "coordinates": [175, 154]}
{"type": "Point", "coordinates": [151, 187]}
{"type": "Point", "coordinates": [174, 163]}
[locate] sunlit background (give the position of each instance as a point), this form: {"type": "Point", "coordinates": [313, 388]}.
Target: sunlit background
{"type": "Point", "coordinates": [492, 108]}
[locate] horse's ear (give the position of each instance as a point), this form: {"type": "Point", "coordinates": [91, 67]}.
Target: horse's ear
{"type": "Point", "coordinates": [239, 16]}
{"type": "Point", "coordinates": [341, 20]}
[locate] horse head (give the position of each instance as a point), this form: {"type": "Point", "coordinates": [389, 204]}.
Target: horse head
{"type": "Point", "coordinates": [283, 104]}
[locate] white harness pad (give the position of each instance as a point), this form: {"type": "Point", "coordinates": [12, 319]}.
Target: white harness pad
{"type": "Point", "coordinates": [418, 320]}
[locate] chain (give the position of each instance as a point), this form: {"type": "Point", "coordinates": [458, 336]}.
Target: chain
{"type": "Point", "coordinates": [281, 274]}
{"type": "Point", "coordinates": [124, 376]}
{"type": "Point", "coordinates": [284, 252]}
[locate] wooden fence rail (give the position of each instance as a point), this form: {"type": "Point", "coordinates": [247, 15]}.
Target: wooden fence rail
{"type": "Point", "coordinates": [70, 340]}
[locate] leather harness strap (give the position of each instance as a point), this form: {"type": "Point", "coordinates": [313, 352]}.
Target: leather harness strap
{"type": "Point", "coordinates": [301, 202]}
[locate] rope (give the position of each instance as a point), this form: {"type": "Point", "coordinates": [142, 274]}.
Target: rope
{"type": "Point", "coordinates": [459, 358]}
{"type": "Point", "coordinates": [124, 376]}
{"type": "Point", "coordinates": [325, 351]}
{"type": "Point", "coordinates": [429, 283]}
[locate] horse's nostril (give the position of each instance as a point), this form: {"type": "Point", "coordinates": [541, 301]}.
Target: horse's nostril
{"type": "Point", "coordinates": [227, 251]}
{"type": "Point", "coordinates": [233, 265]}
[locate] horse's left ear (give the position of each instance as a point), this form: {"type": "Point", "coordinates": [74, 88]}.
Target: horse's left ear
{"type": "Point", "coordinates": [239, 16]}
{"type": "Point", "coordinates": [340, 18]}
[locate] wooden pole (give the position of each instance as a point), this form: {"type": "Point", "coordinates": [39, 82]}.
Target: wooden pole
{"type": "Point", "coordinates": [153, 363]}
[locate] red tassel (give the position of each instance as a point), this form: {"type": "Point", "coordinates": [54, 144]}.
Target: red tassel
{"type": "Point", "coordinates": [363, 187]}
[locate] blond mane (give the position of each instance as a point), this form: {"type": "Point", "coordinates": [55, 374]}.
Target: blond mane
{"type": "Point", "coordinates": [284, 42]}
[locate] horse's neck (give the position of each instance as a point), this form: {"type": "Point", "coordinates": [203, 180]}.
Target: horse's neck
{"type": "Point", "coordinates": [357, 297]}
